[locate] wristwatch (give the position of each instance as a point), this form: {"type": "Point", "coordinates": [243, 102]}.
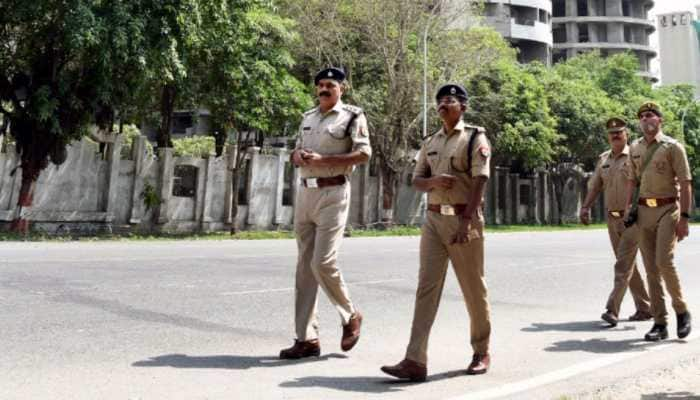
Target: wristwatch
{"type": "Point", "coordinates": [685, 215]}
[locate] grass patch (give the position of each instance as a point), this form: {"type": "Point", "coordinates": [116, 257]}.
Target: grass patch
{"type": "Point", "coordinates": [280, 234]}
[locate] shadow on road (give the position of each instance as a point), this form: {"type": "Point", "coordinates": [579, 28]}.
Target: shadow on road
{"type": "Point", "coordinates": [366, 384]}
{"type": "Point", "coordinates": [226, 361]}
{"type": "Point", "coordinates": [600, 346]}
{"type": "Point", "coordinates": [671, 396]}
{"type": "Point", "coordinates": [577, 326]}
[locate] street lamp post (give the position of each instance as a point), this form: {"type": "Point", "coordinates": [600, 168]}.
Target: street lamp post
{"type": "Point", "coordinates": [425, 80]}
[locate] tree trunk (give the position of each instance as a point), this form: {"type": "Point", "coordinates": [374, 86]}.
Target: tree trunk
{"type": "Point", "coordinates": [167, 105]}
{"type": "Point", "coordinates": [26, 195]}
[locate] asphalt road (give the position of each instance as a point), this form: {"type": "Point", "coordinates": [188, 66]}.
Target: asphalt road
{"type": "Point", "coordinates": [206, 320]}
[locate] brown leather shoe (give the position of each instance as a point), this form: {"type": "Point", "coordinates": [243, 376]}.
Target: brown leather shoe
{"type": "Point", "coordinates": [407, 369]}
{"type": "Point", "coordinates": [309, 348]}
{"type": "Point", "coordinates": [640, 316]}
{"type": "Point", "coordinates": [351, 332]}
{"type": "Point", "coordinates": [479, 365]}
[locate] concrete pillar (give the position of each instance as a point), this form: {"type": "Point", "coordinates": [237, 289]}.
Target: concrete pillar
{"type": "Point", "coordinates": [508, 193]}
{"type": "Point", "coordinates": [113, 160]}
{"type": "Point", "coordinates": [537, 199]}
{"type": "Point", "coordinates": [203, 207]}
{"type": "Point", "coordinates": [282, 158]}
{"type": "Point", "coordinates": [138, 152]}
{"type": "Point", "coordinates": [546, 209]}
{"type": "Point", "coordinates": [228, 182]}
{"type": "Point", "coordinates": [167, 164]}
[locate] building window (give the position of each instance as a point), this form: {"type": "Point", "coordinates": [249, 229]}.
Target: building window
{"type": "Point", "coordinates": [543, 16]}
{"type": "Point", "coordinates": [559, 34]}
{"type": "Point", "coordinates": [626, 9]}
{"type": "Point", "coordinates": [628, 34]}
{"type": "Point", "coordinates": [185, 181]}
{"type": "Point", "coordinates": [582, 8]}
{"type": "Point", "coordinates": [583, 33]}
{"type": "Point", "coordinates": [558, 56]}
{"type": "Point", "coordinates": [684, 19]}
{"type": "Point", "coordinates": [664, 21]}
{"type": "Point", "coordinates": [524, 195]}
{"type": "Point", "coordinates": [558, 8]}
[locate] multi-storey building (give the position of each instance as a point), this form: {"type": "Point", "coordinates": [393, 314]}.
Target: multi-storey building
{"type": "Point", "coordinates": [609, 26]}
{"type": "Point", "coordinates": [679, 47]}
{"type": "Point", "coordinates": [526, 24]}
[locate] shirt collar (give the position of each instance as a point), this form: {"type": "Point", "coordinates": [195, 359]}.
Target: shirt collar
{"type": "Point", "coordinates": [657, 137]}
{"type": "Point", "coordinates": [458, 128]}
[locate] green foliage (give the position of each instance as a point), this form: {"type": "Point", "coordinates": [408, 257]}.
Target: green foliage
{"type": "Point", "coordinates": [195, 146]}
{"type": "Point", "coordinates": [512, 104]}
{"type": "Point", "coordinates": [129, 133]}
{"type": "Point", "coordinates": [149, 196]}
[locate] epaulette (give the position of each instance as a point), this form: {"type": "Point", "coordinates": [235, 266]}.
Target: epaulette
{"type": "Point", "coordinates": [311, 111]}
{"type": "Point", "coordinates": [353, 109]}
{"type": "Point", "coordinates": [604, 154]}
{"type": "Point", "coordinates": [478, 129]}
{"type": "Point", "coordinates": [668, 139]}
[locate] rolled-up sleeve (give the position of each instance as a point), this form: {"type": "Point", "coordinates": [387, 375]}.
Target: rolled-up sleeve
{"type": "Point", "coordinates": [680, 163]}
{"type": "Point", "coordinates": [359, 134]}
{"type": "Point", "coordinates": [421, 170]}
{"type": "Point", "coordinates": [481, 157]}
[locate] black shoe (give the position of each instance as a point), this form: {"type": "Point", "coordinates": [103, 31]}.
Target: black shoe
{"type": "Point", "coordinates": [610, 318]}
{"type": "Point", "coordinates": [683, 326]}
{"type": "Point", "coordinates": [657, 332]}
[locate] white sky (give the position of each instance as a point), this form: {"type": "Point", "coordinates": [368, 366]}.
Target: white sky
{"type": "Point", "coordinates": [663, 7]}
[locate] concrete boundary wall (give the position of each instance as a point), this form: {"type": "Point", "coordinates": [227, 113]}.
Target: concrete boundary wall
{"type": "Point", "coordinates": [93, 192]}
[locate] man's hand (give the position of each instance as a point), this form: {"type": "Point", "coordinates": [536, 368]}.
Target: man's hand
{"type": "Point", "coordinates": [682, 229]}
{"type": "Point", "coordinates": [585, 215]}
{"type": "Point", "coordinates": [442, 181]}
{"type": "Point", "coordinates": [313, 159]}
{"type": "Point", "coordinates": [462, 234]}
{"type": "Point", "coordinates": [298, 158]}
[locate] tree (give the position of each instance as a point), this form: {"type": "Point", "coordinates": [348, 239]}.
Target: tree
{"type": "Point", "coordinates": [380, 44]}
{"type": "Point", "coordinates": [68, 65]}
{"type": "Point", "coordinates": [64, 66]}
{"type": "Point", "coordinates": [512, 104]}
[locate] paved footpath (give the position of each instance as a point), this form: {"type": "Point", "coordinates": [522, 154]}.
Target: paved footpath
{"type": "Point", "coordinates": [206, 320]}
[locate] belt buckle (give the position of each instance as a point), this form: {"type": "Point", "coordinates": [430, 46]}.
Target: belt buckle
{"type": "Point", "coordinates": [651, 203]}
{"type": "Point", "coordinates": [311, 182]}
{"type": "Point", "coordinates": [446, 209]}
{"type": "Point", "coordinates": [615, 214]}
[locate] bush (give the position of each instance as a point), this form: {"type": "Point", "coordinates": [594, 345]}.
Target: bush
{"type": "Point", "coordinates": [196, 146]}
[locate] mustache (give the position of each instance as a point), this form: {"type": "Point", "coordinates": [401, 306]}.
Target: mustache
{"type": "Point", "coordinates": [325, 93]}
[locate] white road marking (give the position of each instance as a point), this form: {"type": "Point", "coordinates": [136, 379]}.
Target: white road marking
{"type": "Point", "coordinates": [291, 288]}
{"type": "Point", "coordinates": [510, 389]}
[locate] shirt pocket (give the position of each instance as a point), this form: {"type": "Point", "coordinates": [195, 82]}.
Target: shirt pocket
{"type": "Point", "coordinates": [433, 159]}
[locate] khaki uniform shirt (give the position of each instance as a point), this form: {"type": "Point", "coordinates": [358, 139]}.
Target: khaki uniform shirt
{"type": "Point", "coordinates": [443, 154]}
{"type": "Point", "coordinates": [326, 135]}
{"type": "Point", "coordinates": [667, 168]}
{"type": "Point", "coordinates": [610, 177]}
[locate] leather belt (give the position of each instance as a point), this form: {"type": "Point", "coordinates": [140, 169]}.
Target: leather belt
{"type": "Point", "coordinates": [651, 202]}
{"type": "Point", "coordinates": [448, 209]}
{"type": "Point", "coordinates": [324, 182]}
{"type": "Point", "coordinates": [616, 214]}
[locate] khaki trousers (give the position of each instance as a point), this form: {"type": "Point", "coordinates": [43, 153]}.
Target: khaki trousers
{"type": "Point", "coordinates": [625, 242]}
{"type": "Point", "coordinates": [657, 242]}
{"type": "Point", "coordinates": [320, 215]}
{"type": "Point", "coordinates": [468, 263]}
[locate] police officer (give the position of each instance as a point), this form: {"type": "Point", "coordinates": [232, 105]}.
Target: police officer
{"type": "Point", "coordinates": [452, 167]}
{"type": "Point", "coordinates": [659, 167]}
{"type": "Point", "coordinates": [333, 138]}
{"type": "Point", "coordinates": [610, 177]}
